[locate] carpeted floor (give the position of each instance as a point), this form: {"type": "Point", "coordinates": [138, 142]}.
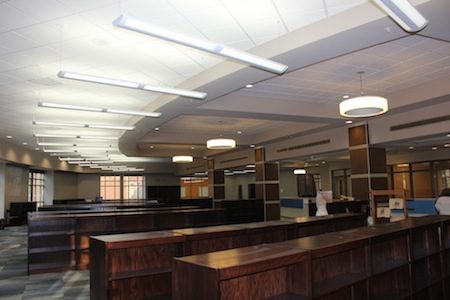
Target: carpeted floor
{"type": "Point", "coordinates": [16, 284]}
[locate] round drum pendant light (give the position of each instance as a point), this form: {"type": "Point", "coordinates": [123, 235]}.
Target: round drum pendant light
{"type": "Point", "coordinates": [363, 106]}
{"type": "Point", "coordinates": [182, 159]}
{"type": "Point", "coordinates": [221, 144]}
{"type": "Point", "coordinates": [299, 171]}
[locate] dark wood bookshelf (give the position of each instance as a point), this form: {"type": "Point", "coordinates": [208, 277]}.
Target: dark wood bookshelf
{"type": "Point", "coordinates": [203, 240]}
{"type": "Point", "coordinates": [241, 274]}
{"type": "Point", "coordinates": [60, 242]}
{"type": "Point", "coordinates": [408, 259]}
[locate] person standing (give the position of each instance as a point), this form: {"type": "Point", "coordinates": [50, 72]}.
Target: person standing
{"type": "Point", "coordinates": [443, 202]}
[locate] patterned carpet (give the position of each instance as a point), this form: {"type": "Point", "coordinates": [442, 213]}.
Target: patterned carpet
{"type": "Point", "coordinates": [16, 284]}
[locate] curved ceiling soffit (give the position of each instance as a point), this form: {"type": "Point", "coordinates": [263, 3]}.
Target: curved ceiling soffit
{"type": "Point", "coordinates": [353, 30]}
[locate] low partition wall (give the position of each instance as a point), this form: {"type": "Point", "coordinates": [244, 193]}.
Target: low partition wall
{"type": "Point", "coordinates": [59, 242]}
{"type": "Point", "coordinates": [409, 259]}
{"type": "Point", "coordinates": [138, 266]}
{"type": "Point", "coordinates": [95, 206]}
{"type": "Point", "coordinates": [112, 210]}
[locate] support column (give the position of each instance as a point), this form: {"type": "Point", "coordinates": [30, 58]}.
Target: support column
{"type": "Point", "coordinates": [367, 163]}
{"type": "Point", "coordinates": [267, 187]}
{"type": "Point", "coordinates": [2, 189]}
{"type": "Point", "coordinates": [49, 187]}
{"type": "Point", "coordinates": [216, 184]}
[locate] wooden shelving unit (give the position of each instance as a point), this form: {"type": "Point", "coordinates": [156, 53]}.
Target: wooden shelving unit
{"type": "Point", "coordinates": [339, 265]}
{"type": "Point", "coordinates": [428, 272]}
{"type": "Point", "coordinates": [60, 242]}
{"type": "Point", "coordinates": [391, 261]}
{"type": "Point", "coordinates": [257, 272]}
{"type": "Point", "coordinates": [138, 268]}
{"type": "Point", "coordinates": [198, 241]}
{"type": "Point", "coordinates": [384, 195]}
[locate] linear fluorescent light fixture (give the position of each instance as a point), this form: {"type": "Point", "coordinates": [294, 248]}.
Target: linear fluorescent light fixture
{"type": "Point", "coordinates": [96, 109]}
{"type": "Point", "coordinates": [133, 85]}
{"type": "Point", "coordinates": [81, 125]}
{"type": "Point", "coordinates": [69, 136]}
{"type": "Point", "coordinates": [130, 23]}
{"type": "Point", "coordinates": [404, 14]}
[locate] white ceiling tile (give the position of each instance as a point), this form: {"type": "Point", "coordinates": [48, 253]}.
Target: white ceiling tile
{"type": "Point", "coordinates": [102, 16]}
{"type": "Point", "coordinates": [213, 18]}
{"type": "Point", "coordinates": [337, 6]}
{"type": "Point", "coordinates": [44, 33]}
{"type": "Point", "coordinates": [295, 21]}
{"type": "Point", "coordinates": [12, 18]}
{"type": "Point", "coordinates": [42, 55]}
{"type": "Point", "coordinates": [15, 42]}
{"type": "Point", "coordinates": [243, 45]}
{"type": "Point", "coordinates": [4, 66]}
{"type": "Point", "coordinates": [75, 26]}
{"type": "Point", "coordinates": [19, 60]}
{"type": "Point", "coordinates": [83, 5]}
{"type": "Point", "coordinates": [187, 7]}
{"type": "Point", "coordinates": [42, 10]}
{"type": "Point", "coordinates": [298, 6]}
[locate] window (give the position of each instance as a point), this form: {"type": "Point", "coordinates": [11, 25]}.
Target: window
{"type": "Point", "coordinates": [422, 179]}
{"type": "Point", "coordinates": [341, 182]}
{"type": "Point", "coordinates": [36, 187]}
{"type": "Point", "coordinates": [110, 187]}
{"type": "Point", "coordinates": [134, 187]}
{"type": "Point", "coordinates": [306, 185]}
{"type": "Point", "coordinates": [127, 187]}
{"type": "Point", "coordinates": [194, 187]}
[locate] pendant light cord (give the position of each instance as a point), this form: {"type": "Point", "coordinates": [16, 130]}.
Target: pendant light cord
{"type": "Point", "coordinates": [360, 82]}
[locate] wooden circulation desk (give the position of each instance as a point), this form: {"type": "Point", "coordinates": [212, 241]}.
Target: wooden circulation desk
{"type": "Point", "coordinates": [402, 260]}
{"type": "Point", "coordinates": [58, 242]}
{"type": "Point", "coordinates": [140, 255]}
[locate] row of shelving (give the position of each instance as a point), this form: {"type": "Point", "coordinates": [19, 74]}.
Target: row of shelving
{"type": "Point", "coordinates": [409, 259]}
{"type": "Point", "coordinates": [58, 242]}
{"type": "Point", "coordinates": [140, 264]}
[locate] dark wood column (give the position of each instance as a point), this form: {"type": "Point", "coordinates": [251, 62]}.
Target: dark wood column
{"type": "Point", "coordinates": [216, 184]}
{"type": "Point", "coordinates": [267, 185]}
{"type": "Point", "coordinates": [367, 163]}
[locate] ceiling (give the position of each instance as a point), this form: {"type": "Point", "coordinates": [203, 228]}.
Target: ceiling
{"type": "Point", "coordinates": [40, 38]}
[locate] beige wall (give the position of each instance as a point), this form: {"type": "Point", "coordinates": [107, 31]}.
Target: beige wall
{"type": "Point", "coordinates": [21, 155]}
{"type": "Point", "coordinates": [288, 184]}
{"type": "Point", "coordinates": [88, 186]}
{"type": "Point", "coordinates": [161, 179]}
{"type": "Point", "coordinates": [16, 184]}
{"type": "Point", "coordinates": [232, 186]}
{"type": "Point", "coordinates": [65, 185]}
